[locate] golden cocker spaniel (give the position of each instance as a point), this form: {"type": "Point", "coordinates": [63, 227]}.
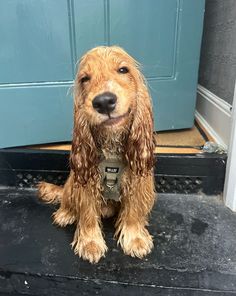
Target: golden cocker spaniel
{"type": "Point", "coordinates": [111, 158]}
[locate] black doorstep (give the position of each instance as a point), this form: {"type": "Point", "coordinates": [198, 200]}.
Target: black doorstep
{"type": "Point", "coordinates": [174, 173]}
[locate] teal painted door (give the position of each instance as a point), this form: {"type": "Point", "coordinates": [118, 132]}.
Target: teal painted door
{"type": "Point", "coordinates": [42, 40]}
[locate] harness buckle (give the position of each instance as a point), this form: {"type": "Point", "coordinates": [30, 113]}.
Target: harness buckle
{"type": "Point", "coordinates": [110, 182]}
{"type": "Point", "coordinates": [111, 170]}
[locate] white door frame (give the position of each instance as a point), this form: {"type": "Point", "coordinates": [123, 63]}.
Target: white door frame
{"type": "Point", "coordinates": [230, 177]}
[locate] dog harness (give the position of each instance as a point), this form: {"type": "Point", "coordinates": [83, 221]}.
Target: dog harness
{"type": "Point", "coordinates": [111, 169]}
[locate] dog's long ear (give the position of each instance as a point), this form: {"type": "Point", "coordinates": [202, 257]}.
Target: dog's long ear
{"type": "Point", "coordinates": [140, 145]}
{"type": "Point", "coordinates": [83, 157]}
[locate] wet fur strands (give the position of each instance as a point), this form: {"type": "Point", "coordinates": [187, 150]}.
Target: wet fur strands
{"type": "Point", "coordinates": [125, 131]}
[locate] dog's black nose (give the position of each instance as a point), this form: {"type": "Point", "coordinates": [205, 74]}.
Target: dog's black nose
{"type": "Point", "coordinates": [105, 103]}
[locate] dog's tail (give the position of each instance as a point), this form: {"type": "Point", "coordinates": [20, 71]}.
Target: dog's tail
{"type": "Point", "coordinates": [50, 193]}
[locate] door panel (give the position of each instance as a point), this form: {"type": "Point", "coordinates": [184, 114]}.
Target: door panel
{"type": "Point", "coordinates": [35, 115]}
{"type": "Point", "coordinates": [174, 98]}
{"type": "Point", "coordinates": [35, 43]}
{"type": "Point", "coordinates": [165, 37]}
{"type": "Point", "coordinates": [145, 31]}
{"type": "Point", "coordinates": [89, 23]}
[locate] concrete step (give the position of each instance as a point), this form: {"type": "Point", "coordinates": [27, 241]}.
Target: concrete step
{"type": "Point", "coordinates": [194, 253]}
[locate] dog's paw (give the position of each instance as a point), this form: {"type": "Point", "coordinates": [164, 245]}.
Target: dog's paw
{"type": "Point", "coordinates": [63, 217]}
{"type": "Point", "coordinates": [90, 249]}
{"type": "Point", "coordinates": [138, 247]}
{"type": "Point", "coordinates": [49, 193]}
{"type": "Point", "coordinates": [136, 244]}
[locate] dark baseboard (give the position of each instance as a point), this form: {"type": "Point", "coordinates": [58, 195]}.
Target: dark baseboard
{"type": "Point", "coordinates": [174, 173]}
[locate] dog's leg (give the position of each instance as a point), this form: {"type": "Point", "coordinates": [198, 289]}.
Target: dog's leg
{"type": "Point", "coordinates": [136, 203]}
{"type": "Point", "coordinates": [62, 195]}
{"type": "Point", "coordinates": [66, 214]}
{"type": "Point", "coordinates": [88, 240]}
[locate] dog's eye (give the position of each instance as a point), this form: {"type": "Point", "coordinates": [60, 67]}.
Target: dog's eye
{"type": "Point", "coordinates": [85, 79]}
{"type": "Point", "coordinates": [123, 70]}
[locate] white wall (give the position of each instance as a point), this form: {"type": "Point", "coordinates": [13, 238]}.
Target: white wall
{"type": "Point", "coordinates": [214, 114]}
{"type": "Point", "coordinates": [230, 178]}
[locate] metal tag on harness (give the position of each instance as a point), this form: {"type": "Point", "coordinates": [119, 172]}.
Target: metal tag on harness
{"type": "Point", "coordinates": [111, 171]}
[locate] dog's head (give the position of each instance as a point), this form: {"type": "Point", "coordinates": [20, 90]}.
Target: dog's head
{"type": "Point", "coordinates": [111, 94]}
{"type": "Point", "coordinates": [107, 85]}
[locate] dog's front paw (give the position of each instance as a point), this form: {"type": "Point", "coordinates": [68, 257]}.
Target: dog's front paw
{"type": "Point", "coordinates": [138, 247]}
{"type": "Point", "coordinates": [91, 249]}
{"type": "Point", "coordinates": [136, 243]}
{"type": "Point", "coordinates": [63, 217]}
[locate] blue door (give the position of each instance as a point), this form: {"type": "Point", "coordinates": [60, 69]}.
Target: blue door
{"type": "Point", "coordinates": [42, 40]}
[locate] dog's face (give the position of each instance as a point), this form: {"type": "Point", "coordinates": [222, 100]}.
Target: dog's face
{"type": "Point", "coordinates": [107, 86]}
